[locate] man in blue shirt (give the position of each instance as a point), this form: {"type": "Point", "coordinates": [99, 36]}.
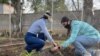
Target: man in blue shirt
{"type": "Point", "coordinates": [37, 34]}
{"type": "Point", "coordinates": [82, 35]}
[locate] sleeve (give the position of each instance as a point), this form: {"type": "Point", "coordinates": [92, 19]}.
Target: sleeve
{"type": "Point", "coordinates": [74, 32]}
{"type": "Point", "coordinates": [45, 31]}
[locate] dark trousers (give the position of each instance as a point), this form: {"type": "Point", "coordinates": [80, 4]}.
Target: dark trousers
{"type": "Point", "coordinates": [34, 42]}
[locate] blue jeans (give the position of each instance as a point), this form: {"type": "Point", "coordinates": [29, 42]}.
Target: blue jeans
{"type": "Point", "coordinates": [34, 42]}
{"type": "Point", "coordinates": [82, 43]}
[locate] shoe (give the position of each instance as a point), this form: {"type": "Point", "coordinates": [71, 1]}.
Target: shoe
{"type": "Point", "coordinates": [93, 53]}
{"type": "Point", "coordinates": [87, 54]}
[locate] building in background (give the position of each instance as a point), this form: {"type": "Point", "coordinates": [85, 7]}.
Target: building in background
{"type": "Point", "coordinates": [6, 9]}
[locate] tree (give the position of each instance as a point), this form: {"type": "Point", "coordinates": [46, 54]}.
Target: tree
{"type": "Point", "coordinates": [58, 5]}
{"type": "Point", "coordinates": [40, 5]}
{"type": "Point", "coordinates": [16, 19]}
{"type": "Point", "coordinates": [87, 14]}
{"type": "Point", "coordinates": [74, 5]}
{"type": "Point", "coordinates": [48, 4]}
{"type": "Point", "coordinates": [36, 4]}
{"type": "Point", "coordinates": [4, 1]}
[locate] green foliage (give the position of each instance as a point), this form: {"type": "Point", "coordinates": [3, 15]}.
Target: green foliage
{"type": "Point", "coordinates": [59, 5]}
{"type": "Point", "coordinates": [3, 1]}
{"type": "Point", "coordinates": [36, 5]}
{"type": "Point", "coordinates": [13, 1]}
{"type": "Point", "coordinates": [41, 5]}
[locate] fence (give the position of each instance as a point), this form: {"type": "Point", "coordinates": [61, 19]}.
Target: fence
{"type": "Point", "coordinates": [27, 20]}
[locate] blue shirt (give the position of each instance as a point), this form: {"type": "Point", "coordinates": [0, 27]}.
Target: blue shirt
{"type": "Point", "coordinates": [40, 26]}
{"type": "Point", "coordinates": [80, 28]}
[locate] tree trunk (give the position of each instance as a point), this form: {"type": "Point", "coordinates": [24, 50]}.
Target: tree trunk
{"type": "Point", "coordinates": [78, 5]}
{"type": "Point", "coordinates": [16, 21]}
{"type": "Point", "coordinates": [87, 14]}
{"type": "Point", "coordinates": [48, 5]}
{"type": "Point", "coordinates": [74, 5]}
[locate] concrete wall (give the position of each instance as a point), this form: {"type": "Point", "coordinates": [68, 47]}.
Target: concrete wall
{"type": "Point", "coordinates": [6, 9]}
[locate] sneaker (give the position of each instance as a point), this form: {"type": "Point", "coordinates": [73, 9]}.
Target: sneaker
{"type": "Point", "coordinates": [87, 54]}
{"type": "Point", "coordinates": [93, 53]}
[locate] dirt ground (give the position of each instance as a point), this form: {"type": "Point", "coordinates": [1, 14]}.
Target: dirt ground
{"type": "Point", "coordinates": [65, 52]}
{"type": "Point", "coordinates": [16, 51]}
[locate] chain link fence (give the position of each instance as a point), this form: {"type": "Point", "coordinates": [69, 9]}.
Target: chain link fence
{"type": "Point", "coordinates": [28, 19]}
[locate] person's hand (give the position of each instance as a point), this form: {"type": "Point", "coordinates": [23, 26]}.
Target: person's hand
{"type": "Point", "coordinates": [55, 44]}
{"type": "Point", "coordinates": [55, 49]}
